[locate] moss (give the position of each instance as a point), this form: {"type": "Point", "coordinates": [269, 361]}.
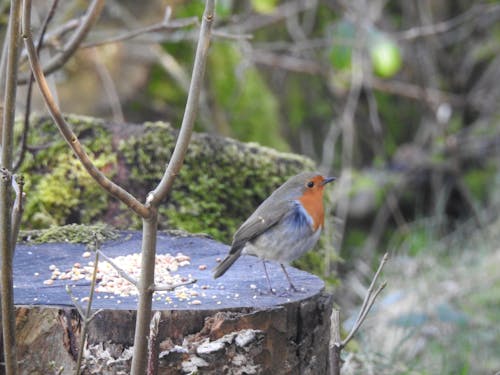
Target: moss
{"type": "Point", "coordinates": [73, 233]}
{"type": "Point", "coordinates": [57, 185]}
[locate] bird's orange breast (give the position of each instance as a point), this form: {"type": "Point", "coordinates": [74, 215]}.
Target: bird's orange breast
{"type": "Point", "coordinates": [312, 201]}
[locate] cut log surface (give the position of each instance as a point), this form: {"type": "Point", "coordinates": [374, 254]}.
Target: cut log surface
{"type": "Point", "coordinates": [231, 325]}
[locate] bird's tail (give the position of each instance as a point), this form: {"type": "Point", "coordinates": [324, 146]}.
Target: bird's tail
{"type": "Point", "coordinates": [223, 266]}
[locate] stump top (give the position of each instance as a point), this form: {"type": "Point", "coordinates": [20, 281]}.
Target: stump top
{"type": "Point", "coordinates": [244, 284]}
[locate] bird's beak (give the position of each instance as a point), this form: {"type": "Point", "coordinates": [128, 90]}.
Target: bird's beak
{"type": "Point", "coordinates": [327, 180]}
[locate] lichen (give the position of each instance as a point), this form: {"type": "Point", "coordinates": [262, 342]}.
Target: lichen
{"type": "Point", "coordinates": [73, 233]}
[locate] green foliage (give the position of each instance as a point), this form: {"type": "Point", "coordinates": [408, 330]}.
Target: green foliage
{"type": "Point", "coordinates": [264, 6]}
{"type": "Point", "coordinates": [386, 57]}
{"type": "Point", "coordinates": [479, 181]}
{"type": "Point", "coordinates": [250, 109]}
{"type": "Point", "coordinates": [344, 36]}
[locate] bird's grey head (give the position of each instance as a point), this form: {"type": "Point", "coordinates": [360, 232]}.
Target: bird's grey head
{"type": "Point", "coordinates": [297, 185]}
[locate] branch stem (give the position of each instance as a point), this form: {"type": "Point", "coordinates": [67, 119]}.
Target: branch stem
{"type": "Point", "coordinates": [6, 242]}
{"type": "Point", "coordinates": [190, 111]}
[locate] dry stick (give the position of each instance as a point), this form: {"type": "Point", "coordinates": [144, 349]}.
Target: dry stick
{"type": "Point", "coordinates": [175, 164]}
{"type": "Point", "coordinates": [335, 349]}
{"type": "Point", "coordinates": [18, 207]}
{"type": "Point", "coordinates": [166, 287]}
{"type": "Point", "coordinates": [83, 337]}
{"type": "Point", "coordinates": [6, 244]}
{"type": "Point", "coordinates": [118, 269]}
{"type": "Point", "coordinates": [445, 26]}
{"type": "Point", "coordinates": [109, 87]}
{"type": "Point", "coordinates": [29, 91]}
{"type": "Point", "coordinates": [65, 129]}
{"type": "Point", "coordinates": [164, 25]}
{"type": "Point", "coordinates": [367, 302]}
{"type": "Point", "coordinates": [337, 345]}
{"type": "Point", "coordinates": [90, 18]}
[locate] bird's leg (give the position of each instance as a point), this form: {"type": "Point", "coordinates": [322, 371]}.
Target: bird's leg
{"type": "Point", "coordinates": [292, 287]}
{"type": "Point", "coordinates": [267, 277]}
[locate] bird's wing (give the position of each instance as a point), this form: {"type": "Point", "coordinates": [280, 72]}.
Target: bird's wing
{"type": "Point", "coordinates": [266, 216]}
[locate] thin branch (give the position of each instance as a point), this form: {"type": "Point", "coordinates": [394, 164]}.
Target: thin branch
{"type": "Point", "coordinates": [191, 109]}
{"type": "Point", "coordinates": [86, 318]}
{"type": "Point", "coordinates": [75, 302]}
{"type": "Point", "coordinates": [109, 86]}
{"type": "Point", "coordinates": [163, 288]}
{"type": "Point", "coordinates": [445, 26]}
{"type": "Point", "coordinates": [335, 348]}
{"type": "Point", "coordinates": [165, 25]}
{"type": "Point", "coordinates": [118, 269]}
{"type": "Point", "coordinates": [6, 244]}
{"type": "Point", "coordinates": [29, 90]}
{"type": "Point", "coordinates": [368, 302]}
{"type": "Point", "coordinates": [18, 207]}
{"type": "Point", "coordinates": [90, 18]}
{"type": "Point", "coordinates": [65, 129]}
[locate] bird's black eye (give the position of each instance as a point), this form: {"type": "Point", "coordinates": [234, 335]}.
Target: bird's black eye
{"type": "Point", "coordinates": [310, 184]}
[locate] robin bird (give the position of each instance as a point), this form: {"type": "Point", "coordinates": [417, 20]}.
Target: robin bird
{"type": "Point", "coordinates": [285, 226]}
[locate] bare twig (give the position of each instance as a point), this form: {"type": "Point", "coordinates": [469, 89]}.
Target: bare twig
{"type": "Point", "coordinates": [445, 26]}
{"type": "Point", "coordinates": [162, 288]}
{"type": "Point", "coordinates": [336, 344]}
{"type": "Point", "coordinates": [109, 88]}
{"type": "Point", "coordinates": [86, 318]}
{"type": "Point", "coordinates": [368, 302]}
{"type": "Point", "coordinates": [90, 18]}
{"type": "Point", "coordinates": [75, 302]}
{"type": "Point", "coordinates": [29, 90]}
{"type": "Point", "coordinates": [165, 25]}
{"type": "Point", "coordinates": [190, 111]}
{"type": "Point", "coordinates": [18, 207]}
{"type": "Point", "coordinates": [335, 349]}
{"type": "Point", "coordinates": [6, 243]}
{"type": "Point", "coordinates": [118, 269]}
{"type": "Point", "coordinates": [65, 129]}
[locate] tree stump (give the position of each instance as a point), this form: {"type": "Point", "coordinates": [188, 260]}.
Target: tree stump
{"type": "Point", "coordinates": [231, 325]}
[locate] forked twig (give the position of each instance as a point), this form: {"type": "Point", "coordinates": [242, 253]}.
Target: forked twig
{"type": "Point", "coordinates": [367, 302]}
{"type": "Point", "coordinates": [18, 207]}
{"type": "Point", "coordinates": [337, 345]}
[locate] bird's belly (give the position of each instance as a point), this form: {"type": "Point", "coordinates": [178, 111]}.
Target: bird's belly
{"type": "Point", "coordinates": [283, 243]}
